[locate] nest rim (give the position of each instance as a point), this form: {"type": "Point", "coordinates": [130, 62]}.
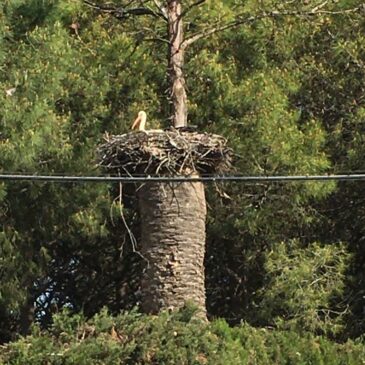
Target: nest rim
{"type": "Point", "coordinates": [165, 152]}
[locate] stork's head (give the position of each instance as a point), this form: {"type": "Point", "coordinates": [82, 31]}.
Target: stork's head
{"type": "Point", "coordinates": [140, 122]}
{"type": "Point", "coordinates": [143, 116]}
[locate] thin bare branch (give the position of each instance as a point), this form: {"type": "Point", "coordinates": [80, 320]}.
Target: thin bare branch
{"type": "Point", "coordinates": [104, 8]}
{"type": "Point", "coordinates": [153, 35]}
{"type": "Point", "coordinates": [197, 3]}
{"type": "Point", "coordinates": [320, 6]}
{"type": "Point", "coordinates": [157, 39]}
{"type": "Point", "coordinates": [241, 20]}
{"type": "Point", "coordinates": [161, 9]}
{"type": "Point", "coordinates": [122, 13]}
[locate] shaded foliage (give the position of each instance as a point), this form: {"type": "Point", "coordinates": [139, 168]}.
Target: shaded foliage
{"type": "Point", "coordinates": [171, 339]}
{"type": "Point", "coordinates": [286, 92]}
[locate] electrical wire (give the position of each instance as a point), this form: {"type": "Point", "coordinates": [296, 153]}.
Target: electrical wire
{"type": "Point", "coordinates": [211, 178]}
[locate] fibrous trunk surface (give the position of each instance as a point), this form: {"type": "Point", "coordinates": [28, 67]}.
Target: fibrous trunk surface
{"type": "Point", "coordinates": [173, 244]}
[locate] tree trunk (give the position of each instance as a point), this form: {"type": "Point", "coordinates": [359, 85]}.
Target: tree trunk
{"type": "Point", "coordinates": [173, 244]}
{"type": "Point", "coordinates": [176, 64]}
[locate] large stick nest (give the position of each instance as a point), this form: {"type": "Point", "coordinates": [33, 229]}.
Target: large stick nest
{"type": "Point", "coordinates": [170, 151]}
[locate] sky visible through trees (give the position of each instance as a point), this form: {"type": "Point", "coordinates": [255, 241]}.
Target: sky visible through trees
{"type": "Point", "coordinates": [283, 81]}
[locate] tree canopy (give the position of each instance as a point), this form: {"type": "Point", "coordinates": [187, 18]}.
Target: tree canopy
{"type": "Point", "coordinates": [283, 81]}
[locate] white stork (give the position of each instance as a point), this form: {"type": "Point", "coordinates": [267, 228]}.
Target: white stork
{"type": "Point", "coordinates": [140, 122]}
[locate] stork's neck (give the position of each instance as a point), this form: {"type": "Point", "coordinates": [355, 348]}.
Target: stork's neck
{"type": "Point", "coordinates": [142, 124]}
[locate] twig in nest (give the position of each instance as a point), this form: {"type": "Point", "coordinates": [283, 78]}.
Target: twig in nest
{"type": "Point", "coordinates": [165, 152]}
{"type": "Point", "coordinates": [130, 233]}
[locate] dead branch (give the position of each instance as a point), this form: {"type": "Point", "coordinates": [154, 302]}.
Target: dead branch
{"type": "Point", "coordinates": [122, 13]}
{"type": "Point", "coordinates": [244, 19]}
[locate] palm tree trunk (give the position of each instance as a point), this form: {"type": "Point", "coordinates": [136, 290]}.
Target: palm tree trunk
{"type": "Point", "coordinates": [173, 244]}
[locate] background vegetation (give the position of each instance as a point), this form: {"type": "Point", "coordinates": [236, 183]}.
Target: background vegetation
{"type": "Point", "coordinates": [285, 259]}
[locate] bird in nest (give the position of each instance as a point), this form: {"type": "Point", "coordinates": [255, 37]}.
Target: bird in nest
{"type": "Point", "coordinates": [140, 123]}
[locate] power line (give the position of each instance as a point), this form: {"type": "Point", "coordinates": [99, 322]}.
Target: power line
{"type": "Point", "coordinates": [211, 178]}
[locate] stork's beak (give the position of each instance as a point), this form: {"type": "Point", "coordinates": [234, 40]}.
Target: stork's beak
{"type": "Point", "coordinates": [135, 123]}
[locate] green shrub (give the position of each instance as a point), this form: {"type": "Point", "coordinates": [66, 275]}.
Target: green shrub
{"type": "Point", "coordinates": [177, 338]}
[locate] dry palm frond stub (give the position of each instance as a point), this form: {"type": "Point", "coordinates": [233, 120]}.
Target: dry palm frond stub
{"type": "Point", "coordinates": [165, 152]}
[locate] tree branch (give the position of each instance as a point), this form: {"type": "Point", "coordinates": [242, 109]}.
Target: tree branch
{"type": "Point", "coordinates": [161, 9]}
{"type": "Point", "coordinates": [241, 19]}
{"type": "Point", "coordinates": [320, 6]}
{"type": "Point", "coordinates": [197, 3]}
{"type": "Point", "coordinates": [121, 13]}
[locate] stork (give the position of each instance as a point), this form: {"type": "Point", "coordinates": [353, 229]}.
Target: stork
{"type": "Point", "coordinates": [140, 122]}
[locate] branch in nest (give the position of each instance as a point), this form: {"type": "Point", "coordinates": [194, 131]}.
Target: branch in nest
{"type": "Point", "coordinates": [165, 152]}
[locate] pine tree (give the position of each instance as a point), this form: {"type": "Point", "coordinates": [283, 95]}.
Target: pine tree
{"type": "Point", "coordinates": [286, 90]}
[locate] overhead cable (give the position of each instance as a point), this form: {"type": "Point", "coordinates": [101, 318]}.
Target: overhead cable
{"type": "Point", "coordinates": [191, 178]}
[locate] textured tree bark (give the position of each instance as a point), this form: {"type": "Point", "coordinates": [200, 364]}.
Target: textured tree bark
{"type": "Point", "coordinates": [173, 244]}
{"type": "Point", "coordinates": [176, 64]}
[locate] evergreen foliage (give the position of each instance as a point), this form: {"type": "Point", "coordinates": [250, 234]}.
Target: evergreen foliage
{"type": "Point", "coordinates": [301, 282]}
{"type": "Point", "coordinates": [288, 259]}
{"type": "Point", "coordinates": [176, 338]}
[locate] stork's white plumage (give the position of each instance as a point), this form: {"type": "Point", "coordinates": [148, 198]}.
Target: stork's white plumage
{"type": "Point", "coordinates": [140, 122]}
